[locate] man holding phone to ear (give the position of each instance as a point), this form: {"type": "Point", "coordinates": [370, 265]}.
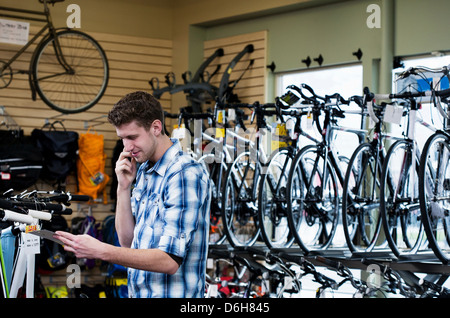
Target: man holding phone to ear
{"type": "Point", "coordinates": [162, 213]}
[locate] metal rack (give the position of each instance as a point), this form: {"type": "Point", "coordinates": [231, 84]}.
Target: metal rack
{"type": "Point", "coordinates": [419, 263]}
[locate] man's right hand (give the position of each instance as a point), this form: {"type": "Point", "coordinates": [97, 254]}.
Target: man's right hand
{"type": "Point", "coordinates": [126, 169]}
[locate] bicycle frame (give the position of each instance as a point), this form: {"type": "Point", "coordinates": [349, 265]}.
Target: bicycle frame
{"type": "Point", "coordinates": [51, 33]}
{"type": "Point", "coordinates": [29, 246]}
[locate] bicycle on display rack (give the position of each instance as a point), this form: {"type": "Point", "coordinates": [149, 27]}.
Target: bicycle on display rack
{"type": "Point", "coordinates": [313, 198]}
{"type": "Point", "coordinates": [434, 196]}
{"type": "Point", "coordinates": [240, 192]}
{"type": "Point", "coordinates": [405, 187]}
{"type": "Point", "coordinates": [361, 216]}
{"type": "Point", "coordinates": [249, 278]}
{"type": "Point", "coordinates": [399, 188]}
{"type": "Point", "coordinates": [24, 214]}
{"type": "Point", "coordinates": [272, 202]}
{"type": "Point", "coordinates": [68, 68]}
{"type": "Point", "coordinates": [399, 201]}
{"type": "Point", "coordinates": [272, 194]}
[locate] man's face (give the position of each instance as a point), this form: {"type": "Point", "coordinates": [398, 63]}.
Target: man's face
{"type": "Point", "coordinates": [139, 142]}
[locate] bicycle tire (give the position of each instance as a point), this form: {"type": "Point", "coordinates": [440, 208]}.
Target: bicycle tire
{"type": "Point", "coordinates": [399, 200]}
{"type": "Point", "coordinates": [312, 220]}
{"type": "Point", "coordinates": [272, 202]}
{"type": "Point", "coordinates": [361, 235]}
{"type": "Point", "coordinates": [216, 226]}
{"type": "Point", "coordinates": [435, 195]}
{"type": "Point", "coordinates": [59, 89]}
{"type": "Point", "coordinates": [239, 211]}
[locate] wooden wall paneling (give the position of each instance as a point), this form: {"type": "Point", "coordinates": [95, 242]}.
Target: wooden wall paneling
{"type": "Point", "coordinates": [251, 87]}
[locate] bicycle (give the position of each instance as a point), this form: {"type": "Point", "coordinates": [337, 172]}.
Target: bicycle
{"type": "Point", "coordinates": [434, 195]}
{"type": "Point", "coordinates": [24, 213]}
{"type": "Point", "coordinates": [387, 281]}
{"type": "Point", "coordinates": [251, 278]}
{"type": "Point", "coordinates": [399, 200]}
{"type": "Point", "coordinates": [326, 283]}
{"type": "Point", "coordinates": [313, 196]}
{"type": "Point", "coordinates": [68, 68]}
{"type": "Point", "coordinates": [240, 192]}
{"type": "Point", "coordinates": [272, 194]}
{"type": "Point", "coordinates": [361, 215]}
{"type": "Point", "coordinates": [272, 214]}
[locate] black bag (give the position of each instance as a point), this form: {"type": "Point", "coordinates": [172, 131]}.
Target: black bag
{"type": "Point", "coordinates": [20, 161]}
{"type": "Point", "coordinates": [53, 257]}
{"type": "Point", "coordinates": [59, 149]}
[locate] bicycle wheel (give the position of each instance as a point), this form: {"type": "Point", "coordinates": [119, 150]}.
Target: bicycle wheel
{"type": "Point", "coordinates": [313, 200]}
{"type": "Point", "coordinates": [272, 204]}
{"type": "Point", "coordinates": [361, 200]}
{"type": "Point", "coordinates": [216, 169]}
{"type": "Point", "coordinates": [434, 193]}
{"type": "Point", "coordinates": [73, 80]}
{"type": "Point", "coordinates": [399, 200]}
{"type": "Point", "coordinates": [239, 201]}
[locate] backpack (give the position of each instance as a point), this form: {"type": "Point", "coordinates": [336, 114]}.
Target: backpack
{"type": "Point", "coordinates": [91, 176]}
{"type": "Point", "coordinates": [53, 257]}
{"type": "Point", "coordinates": [59, 149]}
{"type": "Point", "coordinates": [21, 161]}
{"type": "Point", "coordinates": [86, 225]}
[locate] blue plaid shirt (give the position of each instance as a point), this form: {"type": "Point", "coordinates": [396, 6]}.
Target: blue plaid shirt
{"type": "Point", "coordinates": [170, 204]}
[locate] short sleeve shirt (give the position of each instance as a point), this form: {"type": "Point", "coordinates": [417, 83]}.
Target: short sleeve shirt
{"type": "Point", "coordinates": [170, 203]}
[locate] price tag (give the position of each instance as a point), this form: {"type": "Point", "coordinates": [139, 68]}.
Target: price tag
{"type": "Point", "coordinates": [31, 244]}
{"type": "Point", "coordinates": [280, 136]}
{"type": "Point", "coordinates": [231, 114]}
{"type": "Point", "coordinates": [393, 114]}
{"type": "Point", "coordinates": [309, 120]}
{"type": "Point", "coordinates": [32, 228]}
{"type": "Point", "coordinates": [220, 132]}
{"type": "Point", "coordinates": [213, 290]}
{"type": "Point", "coordinates": [179, 132]}
{"type": "Point", "coordinates": [221, 117]}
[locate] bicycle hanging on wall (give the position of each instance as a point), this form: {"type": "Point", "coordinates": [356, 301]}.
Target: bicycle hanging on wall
{"type": "Point", "coordinates": [68, 68]}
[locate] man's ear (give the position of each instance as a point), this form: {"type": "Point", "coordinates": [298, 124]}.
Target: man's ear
{"type": "Point", "coordinates": [157, 127]}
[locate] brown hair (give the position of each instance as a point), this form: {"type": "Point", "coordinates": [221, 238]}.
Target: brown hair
{"type": "Point", "coordinates": [139, 106]}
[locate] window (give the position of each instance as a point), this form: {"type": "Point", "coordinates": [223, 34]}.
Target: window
{"type": "Point", "coordinates": [428, 112]}
{"type": "Point", "coordinates": [346, 80]}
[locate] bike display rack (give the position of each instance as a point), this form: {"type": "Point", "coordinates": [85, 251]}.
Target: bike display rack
{"type": "Point", "coordinates": [419, 263]}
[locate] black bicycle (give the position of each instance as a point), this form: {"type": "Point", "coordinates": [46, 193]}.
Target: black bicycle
{"type": "Point", "coordinates": [68, 68]}
{"type": "Point", "coordinates": [312, 193]}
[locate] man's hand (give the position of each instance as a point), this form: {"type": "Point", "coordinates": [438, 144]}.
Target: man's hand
{"type": "Point", "coordinates": [83, 246]}
{"type": "Point", "coordinates": [125, 170]}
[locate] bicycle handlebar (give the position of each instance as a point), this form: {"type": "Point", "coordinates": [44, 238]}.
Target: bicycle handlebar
{"type": "Point", "coordinates": [65, 198]}
{"type": "Point", "coordinates": [50, 1]}
{"type": "Point", "coordinates": [421, 69]}
{"type": "Point", "coordinates": [11, 216]}
{"type": "Point", "coordinates": [35, 205]}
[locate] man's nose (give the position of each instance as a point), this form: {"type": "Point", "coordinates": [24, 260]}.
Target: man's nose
{"type": "Point", "coordinates": [127, 145]}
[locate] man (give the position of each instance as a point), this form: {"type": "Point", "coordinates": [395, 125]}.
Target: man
{"type": "Point", "coordinates": [162, 213]}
